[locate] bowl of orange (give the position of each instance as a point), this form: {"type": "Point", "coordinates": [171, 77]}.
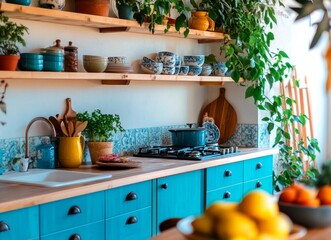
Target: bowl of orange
{"type": "Point", "coordinates": [306, 206]}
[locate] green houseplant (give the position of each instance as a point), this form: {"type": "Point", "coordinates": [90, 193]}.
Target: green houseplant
{"type": "Point", "coordinates": [99, 130]}
{"type": "Point", "coordinates": [126, 8]}
{"type": "Point", "coordinates": [11, 34]}
{"type": "Point", "coordinates": [3, 108]}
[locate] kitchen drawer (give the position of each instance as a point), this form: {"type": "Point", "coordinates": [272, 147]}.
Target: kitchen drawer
{"type": "Point", "coordinates": [257, 168]}
{"type": "Point", "coordinates": [71, 212]}
{"type": "Point", "coordinates": [94, 231]}
{"type": "Point", "coordinates": [21, 223]}
{"type": "Point", "coordinates": [128, 198]}
{"type": "Point", "coordinates": [232, 193]}
{"type": "Point", "coordinates": [261, 183]}
{"type": "Point", "coordinates": [224, 175]}
{"type": "Point", "coordinates": [135, 225]}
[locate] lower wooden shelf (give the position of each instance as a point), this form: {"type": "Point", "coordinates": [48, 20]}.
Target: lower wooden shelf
{"type": "Point", "coordinates": [113, 78]}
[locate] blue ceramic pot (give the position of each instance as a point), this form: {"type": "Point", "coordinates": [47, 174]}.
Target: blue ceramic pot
{"type": "Point", "coordinates": [125, 12]}
{"type": "Point", "coordinates": [188, 137]}
{"type": "Point", "coordinates": [20, 2]}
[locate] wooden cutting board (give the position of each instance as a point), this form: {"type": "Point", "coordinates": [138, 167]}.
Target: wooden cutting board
{"type": "Point", "coordinates": [224, 115]}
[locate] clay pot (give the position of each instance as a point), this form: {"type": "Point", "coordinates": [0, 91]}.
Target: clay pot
{"type": "Point", "coordinates": [94, 7]}
{"type": "Point", "coordinates": [8, 62]}
{"type": "Point", "coordinates": [98, 149]}
{"type": "Point", "coordinates": [200, 21]}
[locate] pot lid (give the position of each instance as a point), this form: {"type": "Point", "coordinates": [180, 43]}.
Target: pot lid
{"type": "Point", "coordinates": [70, 47]}
{"type": "Point", "coordinates": [198, 129]}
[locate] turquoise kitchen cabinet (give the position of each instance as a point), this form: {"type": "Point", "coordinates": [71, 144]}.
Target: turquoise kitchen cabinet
{"type": "Point", "coordinates": [129, 211]}
{"type": "Point", "coordinates": [179, 195]}
{"type": "Point", "coordinates": [258, 168]}
{"type": "Point", "coordinates": [232, 193]}
{"type": "Point", "coordinates": [94, 231]}
{"type": "Point", "coordinates": [20, 224]}
{"type": "Point", "coordinates": [72, 212]}
{"type": "Point", "coordinates": [260, 183]}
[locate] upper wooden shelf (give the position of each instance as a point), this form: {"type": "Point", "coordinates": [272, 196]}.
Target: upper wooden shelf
{"type": "Point", "coordinates": [104, 24]}
{"type": "Point", "coordinates": [112, 78]}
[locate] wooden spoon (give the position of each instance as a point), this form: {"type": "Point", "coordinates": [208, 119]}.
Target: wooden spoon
{"type": "Point", "coordinates": [64, 129]}
{"type": "Point", "coordinates": [80, 126]}
{"type": "Point", "coordinates": [71, 128]}
{"type": "Point", "coordinates": [56, 125]}
{"type": "Point", "coordinates": [70, 114]}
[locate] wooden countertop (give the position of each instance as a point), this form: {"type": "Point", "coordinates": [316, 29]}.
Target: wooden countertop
{"type": "Point", "coordinates": [312, 234]}
{"type": "Point", "coordinates": [15, 196]}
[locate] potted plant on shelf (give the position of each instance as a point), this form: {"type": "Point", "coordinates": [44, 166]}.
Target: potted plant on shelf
{"type": "Point", "coordinates": [100, 128]}
{"type": "Point", "coordinates": [199, 18]}
{"type": "Point", "coordinates": [11, 34]}
{"type": "Point", "coordinates": [126, 8]}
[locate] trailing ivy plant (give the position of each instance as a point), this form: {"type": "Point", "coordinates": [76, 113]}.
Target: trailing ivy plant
{"type": "Point", "coordinates": [3, 87]}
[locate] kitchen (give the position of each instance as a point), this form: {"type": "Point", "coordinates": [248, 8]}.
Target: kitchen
{"type": "Point", "coordinates": [172, 103]}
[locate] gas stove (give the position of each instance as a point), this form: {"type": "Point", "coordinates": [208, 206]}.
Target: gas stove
{"type": "Point", "coordinates": [187, 153]}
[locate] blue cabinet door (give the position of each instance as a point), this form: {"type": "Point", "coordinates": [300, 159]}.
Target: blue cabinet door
{"type": "Point", "coordinates": [179, 196]}
{"type": "Point", "coordinates": [258, 168]}
{"type": "Point", "coordinates": [232, 193]}
{"type": "Point", "coordinates": [21, 224]}
{"type": "Point", "coordinates": [260, 183]}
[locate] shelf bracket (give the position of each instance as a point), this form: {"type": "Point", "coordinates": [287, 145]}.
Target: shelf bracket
{"type": "Point", "coordinates": [114, 29]}
{"type": "Point", "coordinates": [211, 83]}
{"type": "Point", "coordinates": [115, 82]}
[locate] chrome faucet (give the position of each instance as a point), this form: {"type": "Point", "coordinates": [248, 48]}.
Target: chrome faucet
{"type": "Point", "coordinates": [27, 154]}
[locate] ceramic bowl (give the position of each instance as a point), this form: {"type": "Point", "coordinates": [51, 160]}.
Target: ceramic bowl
{"type": "Point", "coordinates": [194, 71]}
{"type": "Point", "coordinates": [95, 66]}
{"type": "Point", "coordinates": [93, 58]}
{"type": "Point", "coordinates": [168, 70]}
{"type": "Point", "coordinates": [147, 60]}
{"type": "Point", "coordinates": [31, 65]}
{"type": "Point", "coordinates": [178, 60]}
{"type": "Point", "coordinates": [220, 69]}
{"type": "Point", "coordinates": [52, 57]}
{"type": "Point", "coordinates": [207, 69]}
{"type": "Point", "coordinates": [152, 68]}
{"type": "Point", "coordinates": [52, 4]}
{"type": "Point", "coordinates": [184, 70]}
{"type": "Point", "coordinates": [167, 58]}
{"type": "Point", "coordinates": [117, 60]}
{"type": "Point", "coordinates": [194, 60]}
{"type": "Point", "coordinates": [33, 56]}
{"type": "Point", "coordinates": [53, 66]}
{"type": "Point", "coordinates": [177, 70]}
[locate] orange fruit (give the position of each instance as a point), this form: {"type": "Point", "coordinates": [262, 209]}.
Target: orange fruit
{"type": "Point", "coordinates": [259, 205]}
{"type": "Point", "coordinates": [297, 186]}
{"type": "Point", "coordinates": [314, 202]}
{"type": "Point", "coordinates": [279, 226]}
{"type": "Point", "coordinates": [305, 196]}
{"type": "Point", "coordinates": [288, 195]}
{"type": "Point", "coordinates": [324, 195]}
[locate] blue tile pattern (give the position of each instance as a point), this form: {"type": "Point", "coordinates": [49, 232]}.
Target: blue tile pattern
{"type": "Point", "coordinates": [126, 143]}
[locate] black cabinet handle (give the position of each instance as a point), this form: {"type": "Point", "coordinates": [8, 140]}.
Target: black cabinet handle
{"type": "Point", "coordinates": [227, 173]}
{"type": "Point", "coordinates": [258, 184]}
{"type": "Point", "coordinates": [164, 186]}
{"type": "Point", "coordinates": [4, 227]}
{"type": "Point", "coordinates": [132, 220]}
{"type": "Point", "coordinates": [131, 196]}
{"type": "Point", "coordinates": [259, 165]}
{"type": "Point", "coordinates": [75, 237]}
{"type": "Point", "coordinates": [227, 195]}
{"type": "Point", "coordinates": [74, 210]}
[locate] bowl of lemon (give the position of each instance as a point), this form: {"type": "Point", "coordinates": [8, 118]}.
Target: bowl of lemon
{"type": "Point", "coordinates": [256, 217]}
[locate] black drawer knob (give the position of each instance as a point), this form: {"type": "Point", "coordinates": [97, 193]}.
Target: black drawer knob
{"type": "Point", "coordinates": [259, 165]}
{"type": "Point", "coordinates": [227, 173]}
{"type": "Point", "coordinates": [4, 227]}
{"type": "Point", "coordinates": [131, 196]}
{"type": "Point", "coordinates": [75, 237]}
{"type": "Point", "coordinates": [74, 210]}
{"type": "Point", "coordinates": [227, 195]}
{"type": "Point", "coordinates": [164, 186]}
{"type": "Point", "coordinates": [132, 220]}
{"type": "Point", "coordinates": [258, 184]}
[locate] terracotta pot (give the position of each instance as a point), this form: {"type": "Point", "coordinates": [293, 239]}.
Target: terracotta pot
{"type": "Point", "coordinates": [8, 62]}
{"type": "Point", "coordinates": [97, 149]}
{"type": "Point", "coordinates": [94, 7]}
{"type": "Point", "coordinates": [201, 21]}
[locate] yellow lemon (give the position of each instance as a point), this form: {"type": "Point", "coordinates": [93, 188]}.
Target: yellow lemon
{"type": "Point", "coordinates": [279, 226]}
{"type": "Point", "coordinates": [236, 225]}
{"type": "Point", "coordinates": [203, 225]}
{"type": "Point", "coordinates": [259, 205]}
{"type": "Point", "coordinates": [264, 236]}
{"type": "Point", "coordinates": [217, 209]}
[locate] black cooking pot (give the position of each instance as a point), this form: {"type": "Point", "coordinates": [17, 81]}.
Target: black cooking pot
{"type": "Point", "coordinates": [188, 137]}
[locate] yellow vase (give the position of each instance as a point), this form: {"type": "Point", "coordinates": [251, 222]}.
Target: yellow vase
{"type": "Point", "coordinates": [200, 21]}
{"type": "Point", "coordinates": [71, 151]}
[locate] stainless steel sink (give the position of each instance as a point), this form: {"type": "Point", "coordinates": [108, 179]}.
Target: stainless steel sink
{"type": "Point", "coordinates": [51, 178]}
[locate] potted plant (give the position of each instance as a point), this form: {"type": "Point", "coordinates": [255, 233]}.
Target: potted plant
{"type": "Point", "coordinates": [10, 35]}
{"type": "Point", "coordinates": [99, 130]}
{"type": "Point", "coordinates": [126, 8]}
{"type": "Point", "coordinates": [199, 18]}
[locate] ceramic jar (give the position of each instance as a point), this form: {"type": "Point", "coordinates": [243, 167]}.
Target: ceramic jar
{"type": "Point", "coordinates": [52, 4]}
{"type": "Point", "coordinates": [70, 58]}
{"type": "Point", "coordinates": [200, 21]}
{"type": "Point", "coordinates": [71, 151]}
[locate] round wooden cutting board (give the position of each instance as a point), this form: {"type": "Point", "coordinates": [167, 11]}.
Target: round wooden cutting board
{"type": "Point", "coordinates": [224, 115]}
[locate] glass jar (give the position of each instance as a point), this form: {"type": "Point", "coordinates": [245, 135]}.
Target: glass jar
{"type": "Point", "coordinates": [70, 58]}
{"type": "Point", "coordinates": [45, 154]}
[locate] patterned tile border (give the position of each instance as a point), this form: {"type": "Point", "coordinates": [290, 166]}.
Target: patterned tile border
{"type": "Point", "coordinates": [125, 143]}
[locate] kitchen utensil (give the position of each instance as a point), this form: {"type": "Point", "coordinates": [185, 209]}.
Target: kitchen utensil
{"type": "Point", "coordinates": [80, 126]}
{"type": "Point", "coordinates": [188, 137]}
{"type": "Point", "coordinates": [71, 128]}
{"type": "Point", "coordinates": [70, 114]}
{"type": "Point", "coordinates": [224, 115]}
{"type": "Point", "coordinates": [56, 125]}
{"type": "Point", "coordinates": [64, 129]}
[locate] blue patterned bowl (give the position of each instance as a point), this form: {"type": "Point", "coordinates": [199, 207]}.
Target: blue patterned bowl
{"type": "Point", "coordinates": [168, 70]}
{"type": "Point", "coordinates": [147, 60]}
{"type": "Point", "coordinates": [52, 4]}
{"type": "Point", "coordinates": [184, 70]}
{"type": "Point", "coordinates": [207, 69]}
{"type": "Point", "coordinates": [220, 69]}
{"type": "Point", "coordinates": [194, 71]}
{"type": "Point", "coordinates": [167, 58]}
{"type": "Point", "coordinates": [194, 60]}
{"type": "Point", "coordinates": [178, 60]}
{"type": "Point", "coordinates": [117, 60]}
{"type": "Point", "coordinates": [152, 68]}
{"type": "Point", "coordinates": [177, 70]}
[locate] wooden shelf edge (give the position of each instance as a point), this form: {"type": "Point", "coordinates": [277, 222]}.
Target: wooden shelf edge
{"type": "Point", "coordinates": [112, 78]}
{"type": "Point", "coordinates": [104, 24]}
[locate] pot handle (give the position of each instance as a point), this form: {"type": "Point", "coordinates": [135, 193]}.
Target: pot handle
{"type": "Point", "coordinates": [190, 125]}
{"type": "Point", "coordinates": [211, 24]}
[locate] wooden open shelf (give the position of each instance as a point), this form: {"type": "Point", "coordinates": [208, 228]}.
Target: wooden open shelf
{"type": "Point", "coordinates": [104, 24]}
{"type": "Point", "coordinates": [112, 78]}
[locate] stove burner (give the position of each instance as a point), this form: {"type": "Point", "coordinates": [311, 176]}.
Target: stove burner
{"type": "Point", "coordinates": [186, 153]}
